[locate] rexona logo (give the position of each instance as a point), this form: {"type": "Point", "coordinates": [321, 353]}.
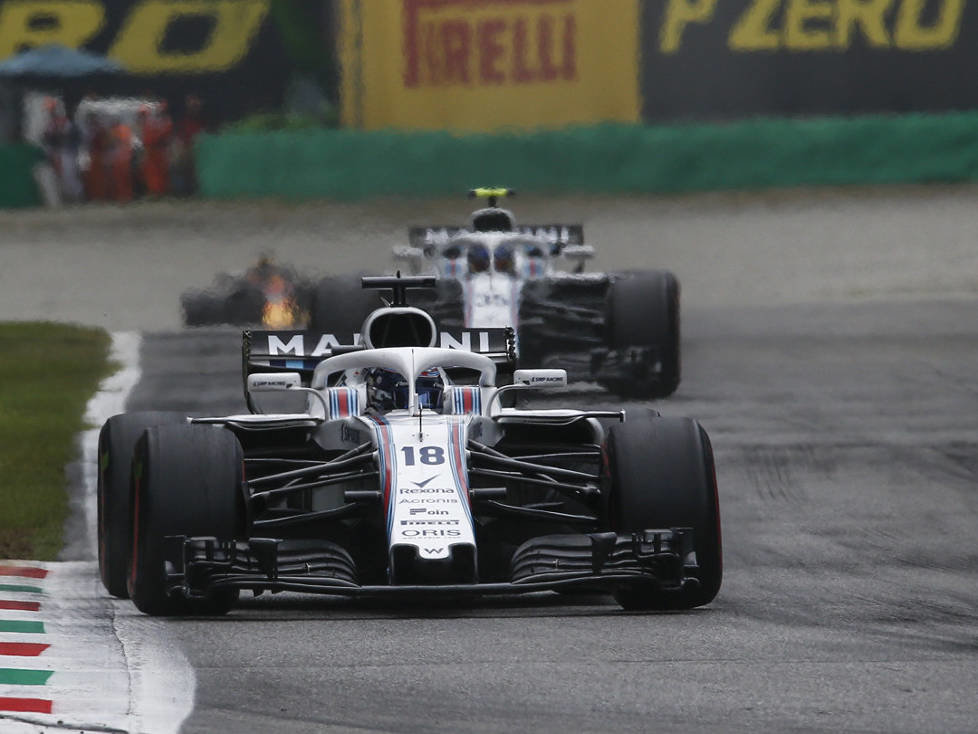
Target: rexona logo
{"type": "Point", "coordinates": [489, 43]}
{"type": "Point", "coordinates": [426, 490]}
{"type": "Point", "coordinates": [225, 30]}
{"type": "Point", "coordinates": [821, 25]}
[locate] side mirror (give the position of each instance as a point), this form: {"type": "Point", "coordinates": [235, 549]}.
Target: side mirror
{"type": "Point", "coordinates": [273, 381]}
{"type": "Point", "coordinates": [282, 382]}
{"type": "Point", "coordinates": [404, 252]}
{"type": "Point", "coordinates": [578, 252]}
{"type": "Point", "coordinates": [412, 257]}
{"type": "Point", "coordinates": [527, 379]}
{"type": "Point", "coordinates": [540, 378]}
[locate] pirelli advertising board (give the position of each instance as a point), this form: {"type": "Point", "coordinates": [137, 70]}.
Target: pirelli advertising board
{"type": "Point", "coordinates": [481, 65]}
{"type": "Point", "coordinates": [724, 59]}
{"type": "Point", "coordinates": [230, 50]}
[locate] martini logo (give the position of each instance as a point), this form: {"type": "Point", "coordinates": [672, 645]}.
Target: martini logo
{"type": "Point", "coordinates": [492, 43]}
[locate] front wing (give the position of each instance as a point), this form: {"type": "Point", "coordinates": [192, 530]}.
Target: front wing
{"type": "Point", "coordinates": [606, 561]}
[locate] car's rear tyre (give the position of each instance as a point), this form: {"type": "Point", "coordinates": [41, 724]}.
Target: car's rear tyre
{"type": "Point", "coordinates": [201, 309]}
{"type": "Point", "coordinates": [186, 480]}
{"type": "Point", "coordinates": [643, 311]}
{"type": "Point", "coordinates": [663, 476]}
{"type": "Point", "coordinates": [445, 303]}
{"type": "Point", "coordinates": [116, 442]}
{"type": "Point", "coordinates": [245, 305]}
{"type": "Point", "coordinates": [340, 306]}
{"type": "Point", "coordinates": [532, 327]}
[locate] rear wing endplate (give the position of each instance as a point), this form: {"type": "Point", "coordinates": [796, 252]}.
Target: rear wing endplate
{"type": "Point", "coordinates": [567, 234]}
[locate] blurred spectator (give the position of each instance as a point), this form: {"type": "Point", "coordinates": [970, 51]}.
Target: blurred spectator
{"type": "Point", "coordinates": [156, 130]}
{"type": "Point", "coordinates": [61, 141]}
{"type": "Point", "coordinates": [189, 127]}
{"type": "Point", "coordinates": [95, 140]}
{"type": "Point", "coordinates": [120, 155]}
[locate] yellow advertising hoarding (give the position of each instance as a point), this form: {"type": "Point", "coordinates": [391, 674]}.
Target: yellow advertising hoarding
{"type": "Point", "coordinates": [139, 31]}
{"type": "Point", "coordinates": [480, 65]}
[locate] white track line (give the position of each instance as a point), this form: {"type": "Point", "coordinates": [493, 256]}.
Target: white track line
{"type": "Point", "coordinates": [115, 669]}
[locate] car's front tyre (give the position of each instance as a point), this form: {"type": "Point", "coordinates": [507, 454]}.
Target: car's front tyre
{"type": "Point", "coordinates": [186, 480]}
{"type": "Point", "coordinates": [663, 476]}
{"type": "Point", "coordinates": [116, 442]}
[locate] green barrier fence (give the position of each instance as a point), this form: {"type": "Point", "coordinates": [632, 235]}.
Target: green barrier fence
{"type": "Point", "coordinates": [606, 158]}
{"type": "Point", "coordinates": [17, 187]}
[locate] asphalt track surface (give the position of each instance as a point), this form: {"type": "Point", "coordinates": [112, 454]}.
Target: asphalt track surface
{"type": "Point", "coordinates": [831, 351]}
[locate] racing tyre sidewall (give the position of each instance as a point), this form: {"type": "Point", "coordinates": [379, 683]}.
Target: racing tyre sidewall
{"type": "Point", "coordinates": [186, 480]}
{"type": "Point", "coordinates": [116, 441]}
{"type": "Point", "coordinates": [662, 475]}
{"type": "Point", "coordinates": [643, 311]}
{"type": "Point", "coordinates": [201, 309]}
{"type": "Point", "coordinates": [245, 305]}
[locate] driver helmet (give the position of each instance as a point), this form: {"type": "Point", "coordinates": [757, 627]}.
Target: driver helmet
{"type": "Point", "coordinates": [430, 388]}
{"type": "Point", "coordinates": [387, 390]}
{"type": "Point", "coordinates": [479, 258]}
{"type": "Point", "coordinates": [504, 259]}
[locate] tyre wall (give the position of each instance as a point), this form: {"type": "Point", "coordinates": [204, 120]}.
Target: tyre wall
{"type": "Point", "coordinates": [611, 158]}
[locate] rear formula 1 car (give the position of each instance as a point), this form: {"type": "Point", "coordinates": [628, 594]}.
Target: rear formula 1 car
{"type": "Point", "coordinates": [620, 330]}
{"type": "Point", "coordinates": [267, 293]}
{"type": "Point", "coordinates": [402, 475]}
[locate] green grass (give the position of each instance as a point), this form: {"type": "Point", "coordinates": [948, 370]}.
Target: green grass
{"type": "Point", "coordinates": [48, 372]}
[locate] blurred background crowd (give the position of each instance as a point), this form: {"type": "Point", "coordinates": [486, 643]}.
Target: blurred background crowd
{"type": "Point", "coordinates": [115, 149]}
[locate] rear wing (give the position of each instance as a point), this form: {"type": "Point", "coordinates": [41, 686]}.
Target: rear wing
{"type": "Point", "coordinates": [301, 351]}
{"type": "Point", "coordinates": [433, 236]}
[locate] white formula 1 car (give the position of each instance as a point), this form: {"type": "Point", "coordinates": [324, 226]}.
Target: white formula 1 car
{"type": "Point", "coordinates": [402, 474]}
{"type": "Point", "coordinates": [620, 330]}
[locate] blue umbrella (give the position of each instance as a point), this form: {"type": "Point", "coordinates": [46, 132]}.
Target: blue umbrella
{"type": "Point", "coordinates": [55, 61]}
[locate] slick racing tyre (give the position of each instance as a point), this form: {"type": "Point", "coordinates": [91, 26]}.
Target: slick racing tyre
{"type": "Point", "coordinates": [116, 442]}
{"type": "Point", "coordinates": [245, 305]}
{"type": "Point", "coordinates": [201, 309]}
{"type": "Point", "coordinates": [532, 328]}
{"type": "Point", "coordinates": [186, 480]}
{"type": "Point", "coordinates": [643, 311]}
{"type": "Point", "coordinates": [445, 303]}
{"type": "Point", "coordinates": [340, 306]}
{"type": "Point", "coordinates": [662, 476]}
